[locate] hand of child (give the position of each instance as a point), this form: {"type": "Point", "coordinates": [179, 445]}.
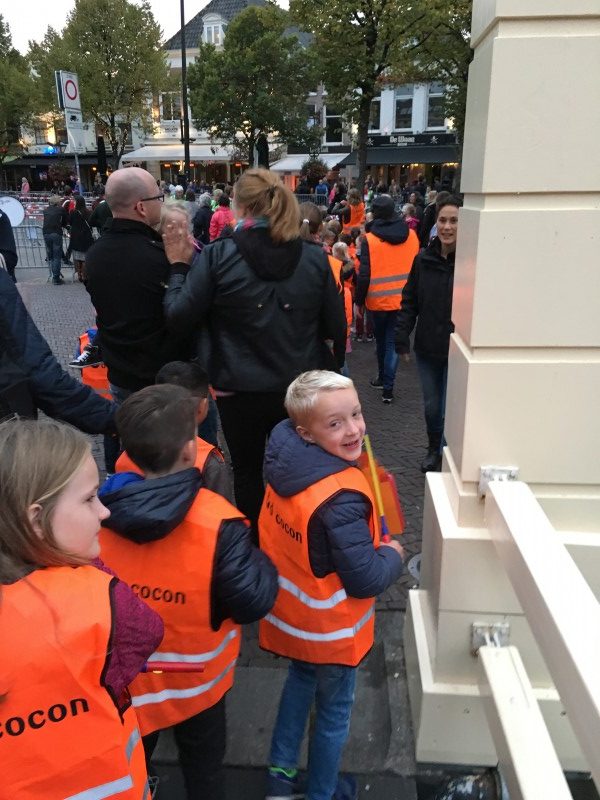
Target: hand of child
{"type": "Point", "coordinates": [395, 546]}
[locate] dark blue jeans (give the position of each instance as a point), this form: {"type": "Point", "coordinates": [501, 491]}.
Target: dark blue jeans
{"type": "Point", "coordinates": [331, 687]}
{"type": "Point", "coordinates": [433, 373]}
{"type": "Point", "coordinates": [53, 243]}
{"type": "Point", "coordinates": [384, 325]}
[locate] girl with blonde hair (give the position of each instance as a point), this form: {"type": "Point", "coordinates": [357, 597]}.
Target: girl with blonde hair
{"type": "Point", "coordinates": [266, 303]}
{"type": "Point", "coordinates": [73, 635]}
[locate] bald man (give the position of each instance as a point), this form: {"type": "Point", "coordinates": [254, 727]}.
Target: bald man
{"type": "Point", "coordinates": [127, 276]}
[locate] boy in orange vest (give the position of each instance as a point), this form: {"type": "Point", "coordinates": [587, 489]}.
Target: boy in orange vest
{"type": "Point", "coordinates": [189, 554]}
{"type": "Point", "coordinates": [209, 459]}
{"type": "Point", "coordinates": [319, 525]}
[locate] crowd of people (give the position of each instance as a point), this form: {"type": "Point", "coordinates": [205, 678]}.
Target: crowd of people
{"type": "Point", "coordinates": [243, 304]}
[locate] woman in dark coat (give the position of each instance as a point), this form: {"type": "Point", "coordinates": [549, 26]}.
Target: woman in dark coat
{"type": "Point", "coordinates": [81, 235]}
{"type": "Point", "coordinates": [267, 305]}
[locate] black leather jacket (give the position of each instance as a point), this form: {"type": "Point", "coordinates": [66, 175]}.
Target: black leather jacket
{"type": "Point", "coordinates": [264, 310]}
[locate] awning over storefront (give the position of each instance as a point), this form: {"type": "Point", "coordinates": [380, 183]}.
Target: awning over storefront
{"type": "Point", "coordinates": [377, 156]}
{"type": "Point", "coordinates": [293, 163]}
{"type": "Point", "coordinates": [174, 152]}
{"type": "Point", "coordinates": [39, 160]}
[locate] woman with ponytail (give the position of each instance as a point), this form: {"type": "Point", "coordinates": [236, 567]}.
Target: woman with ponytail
{"type": "Point", "coordinates": [266, 304]}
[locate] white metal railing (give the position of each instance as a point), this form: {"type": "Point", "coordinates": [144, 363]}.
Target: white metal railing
{"type": "Point", "coordinates": [564, 616]}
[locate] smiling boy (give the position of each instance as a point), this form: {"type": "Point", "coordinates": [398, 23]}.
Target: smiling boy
{"type": "Point", "coordinates": [319, 527]}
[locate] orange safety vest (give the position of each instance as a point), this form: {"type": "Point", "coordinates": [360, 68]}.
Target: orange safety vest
{"type": "Point", "coordinates": [336, 268]}
{"type": "Point", "coordinates": [61, 733]}
{"type": "Point", "coordinates": [348, 309]}
{"type": "Point", "coordinates": [357, 217]}
{"type": "Point", "coordinates": [313, 618]}
{"type": "Point", "coordinates": [204, 449]}
{"type": "Point", "coordinates": [390, 268]}
{"type": "Point", "coordinates": [95, 377]}
{"type": "Point", "coordinates": [173, 575]}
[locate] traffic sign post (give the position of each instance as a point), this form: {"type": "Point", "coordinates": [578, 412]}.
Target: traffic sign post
{"type": "Point", "coordinates": [67, 90]}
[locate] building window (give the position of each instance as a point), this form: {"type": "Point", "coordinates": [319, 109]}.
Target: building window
{"type": "Point", "coordinates": [171, 106]}
{"type": "Point", "coordinates": [213, 34]}
{"type": "Point", "coordinates": [436, 115]}
{"type": "Point", "coordinates": [375, 115]}
{"type": "Point", "coordinates": [40, 134]}
{"type": "Point", "coordinates": [333, 126]}
{"type": "Point", "coordinates": [313, 116]}
{"type": "Point", "coordinates": [404, 107]}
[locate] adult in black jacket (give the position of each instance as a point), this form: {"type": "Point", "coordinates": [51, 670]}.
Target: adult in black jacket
{"type": "Point", "coordinates": [267, 302]}
{"type": "Point", "coordinates": [31, 378]}
{"type": "Point", "coordinates": [55, 219]}
{"type": "Point", "coordinates": [202, 218]}
{"type": "Point", "coordinates": [427, 301]}
{"type": "Point", "coordinates": [127, 273]}
{"type": "Point", "coordinates": [8, 247]}
{"type": "Point", "coordinates": [81, 235]}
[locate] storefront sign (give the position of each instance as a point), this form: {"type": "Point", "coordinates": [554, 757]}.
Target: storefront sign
{"type": "Point", "coordinates": [411, 139]}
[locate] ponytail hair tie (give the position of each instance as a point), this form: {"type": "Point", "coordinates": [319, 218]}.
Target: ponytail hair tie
{"type": "Point", "coordinates": [306, 222]}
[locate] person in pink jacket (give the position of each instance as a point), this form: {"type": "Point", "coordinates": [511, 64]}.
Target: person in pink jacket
{"type": "Point", "coordinates": [223, 216]}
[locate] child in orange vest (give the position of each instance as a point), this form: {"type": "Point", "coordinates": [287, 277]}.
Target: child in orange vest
{"type": "Point", "coordinates": [73, 635]}
{"type": "Point", "coordinates": [209, 459]}
{"type": "Point", "coordinates": [189, 553]}
{"type": "Point", "coordinates": [320, 527]}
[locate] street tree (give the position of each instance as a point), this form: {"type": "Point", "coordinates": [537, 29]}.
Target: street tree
{"type": "Point", "coordinates": [115, 48]}
{"type": "Point", "coordinates": [356, 44]}
{"type": "Point", "coordinates": [17, 95]}
{"type": "Point", "coordinates": [256, 86]}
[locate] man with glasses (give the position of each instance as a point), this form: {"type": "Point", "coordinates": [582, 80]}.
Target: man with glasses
{"type": "Point", "coordinates": [127, 276]}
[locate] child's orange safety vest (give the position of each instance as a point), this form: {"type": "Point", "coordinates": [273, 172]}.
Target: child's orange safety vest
{"type": "Point", "coordinates": [313, 618]}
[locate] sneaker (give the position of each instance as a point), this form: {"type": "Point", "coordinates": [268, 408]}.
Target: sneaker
{"type": "Point", "coordinates": [387, 396]}
{"type": "Point", "coordinates": [369, 339]}
{"type": "Point", "coordinates": [57, 282]}
{"type": "Point", "coordinates": [90, 357]}
{"type": "Point", "coordinates": [284, 784]}
{"type": "Point", "coordinates": [376, 383]}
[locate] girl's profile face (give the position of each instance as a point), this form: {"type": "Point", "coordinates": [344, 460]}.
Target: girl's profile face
{"type": "Point", "coordinates": [78, 513]}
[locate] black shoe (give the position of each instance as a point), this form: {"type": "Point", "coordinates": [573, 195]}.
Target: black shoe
{"type": "Point", "coordinates": [369, 339]}
{"type": "Point", "coordinates": [433, 460]}
{"type": "Point", "coordinates": [90, 357]}
{"type": "Point", "coordinates": [57, 281]}
{"type": "Point", "coordinates": [387, 396]}
{"type": "Point", "coordinates": [376, 383]}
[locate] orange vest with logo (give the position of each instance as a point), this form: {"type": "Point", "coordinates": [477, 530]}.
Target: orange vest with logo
{"type": "Point", "coordinates": [94, 377]}
{"type": "Point", "coordinates": [61, 733]}
{"type": "Point", "coordinates": [336, 268]}
{"type": "Point", "coordinates": [313, 619]}
{"type": "Point", "coordinates": [203, 450]}
{"type": "Point", "coordinates": [390, 268]}
{"type": "Point", "coordinates": [357, 217]}
{"type": "Point", "coordinates": [173, 575]}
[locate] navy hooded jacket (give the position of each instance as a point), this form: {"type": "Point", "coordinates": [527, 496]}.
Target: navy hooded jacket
{"type": "Point", "coordinates": [339, 537]}
{"type": "Point", "coordinates": [244, 580]}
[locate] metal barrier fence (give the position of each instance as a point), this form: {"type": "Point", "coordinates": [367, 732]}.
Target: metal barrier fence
{"type": "Point", "coordinates": [31, 247]}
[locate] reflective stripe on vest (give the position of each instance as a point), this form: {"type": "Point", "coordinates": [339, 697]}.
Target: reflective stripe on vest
{"type": "Point", "coordinates": [332, 636]}
{"type": "Point", "coordinates": [97, 751]}
{"type": "Point", "coordinates": [162, 700]}
{"type": "Point", "coordinates": [390, 268]}
{"type": "Point", "coordinates": [203, 451]}
{"type": "Point", "coordinates": [313, 619]}
{"type": "Point", "coordinates": [140, 700]}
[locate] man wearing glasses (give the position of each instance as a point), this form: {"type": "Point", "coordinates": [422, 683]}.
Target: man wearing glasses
{"type": "Point", "coordinates": [127, 277]}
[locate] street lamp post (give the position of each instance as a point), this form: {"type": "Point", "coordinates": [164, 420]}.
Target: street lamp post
{"type": "Point", "coordinates": [184, 100]}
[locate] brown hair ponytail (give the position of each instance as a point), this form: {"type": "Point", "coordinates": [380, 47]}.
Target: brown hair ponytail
{"type": "Point", "coordinates": [260, 193]}
{"type": "Point", "coordinates": [310, 220]}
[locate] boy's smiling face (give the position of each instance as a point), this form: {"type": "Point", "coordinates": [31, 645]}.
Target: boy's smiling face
{"type": "Point", "coordinates": [336, 424]}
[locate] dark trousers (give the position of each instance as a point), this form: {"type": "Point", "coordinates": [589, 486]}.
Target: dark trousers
{"type": "Point", "coordinates": [247, 418]}
{"type": "Point", "coordinates": [53, 243]}
{"type": "Point", "coordinates": [384, 325]}
{"type": "Point", "coordinates": [201, 744]}
{"type": "Point", "coordinates": [433, 373]}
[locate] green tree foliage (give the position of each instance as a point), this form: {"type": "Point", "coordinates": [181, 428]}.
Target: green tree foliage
{"type": "Point", "coordinates": [17, 94]}
{"type": "Point", "coordinates": [314, 168]}
{"type": "Point", "coordinates": [115, 48]}
{"type": "Point", "coordinates": [256, 85]}
{"type": "Point", "coordinates": [356, 43]}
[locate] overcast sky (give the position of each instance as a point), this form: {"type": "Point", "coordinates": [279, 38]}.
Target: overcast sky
{"type": "Point", "coordinates": [30, 21]}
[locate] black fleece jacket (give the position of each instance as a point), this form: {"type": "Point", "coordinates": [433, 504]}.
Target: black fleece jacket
{"type": "Point", "coordinates": [267, 310]}
{"type": "Point", "coordinates": [244, 580]}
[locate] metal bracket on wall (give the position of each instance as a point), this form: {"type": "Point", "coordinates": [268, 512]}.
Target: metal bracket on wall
{"type": "Point", "coordinates": [492, 634]}
{"type": "Point", "coordinates": [495, 473]}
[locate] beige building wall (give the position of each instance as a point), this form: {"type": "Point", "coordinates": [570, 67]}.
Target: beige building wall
{"type": "Point", "coordinates": [524, 364]}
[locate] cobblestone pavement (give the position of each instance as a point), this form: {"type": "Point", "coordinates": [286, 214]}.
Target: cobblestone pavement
{"type": "Point", "coordinates": [397, 431]}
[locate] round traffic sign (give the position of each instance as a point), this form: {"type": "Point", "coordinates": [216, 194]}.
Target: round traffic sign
{"type": "Point", "coordinates": [71, 89]}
